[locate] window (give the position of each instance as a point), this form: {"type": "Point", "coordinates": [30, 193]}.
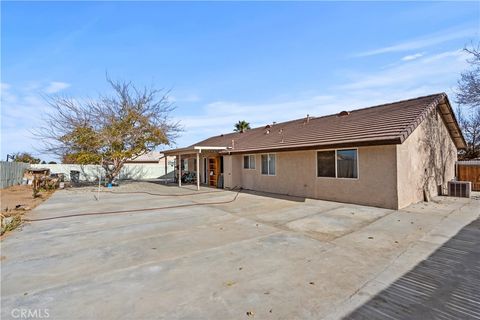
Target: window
{"type": "Point", "coordinates": [347, 163]}
{"type": "Point", "coordinates": [337, 163]}
{"type": "Point", "coordinates": [249, 162]}
{"type": "Point", "coordinates": [326, 164]}
{"type": "Point", "coordinates": [268, 164]}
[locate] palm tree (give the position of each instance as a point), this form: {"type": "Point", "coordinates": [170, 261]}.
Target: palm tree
{"type": "Point", "coordinates": [241, 126]}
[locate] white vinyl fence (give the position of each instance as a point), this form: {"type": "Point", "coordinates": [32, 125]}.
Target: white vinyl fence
{"type": "Point", "coordinates": [11, 173]}
{"type": "Point", "coordinates": [130, 171]}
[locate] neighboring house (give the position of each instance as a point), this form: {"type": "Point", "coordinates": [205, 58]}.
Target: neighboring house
{"type": "Point", "coordinates": [388, 156]}
{"type": "Point", "coordinates": [153, 157]}
{"type": "Point", "coordinates": [150, 157]}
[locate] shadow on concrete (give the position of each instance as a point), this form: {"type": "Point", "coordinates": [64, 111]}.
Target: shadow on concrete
{"type": "Point", "coordinates": [169, 176]}
{"type": "Point", "coordinates": [193, 186]}
{"type": "Point", "coordinates": [171, 184]}
{"type": "Point", "coordinates": [446, 285]}
{"type": "Point", "coordinates": [274, 195]}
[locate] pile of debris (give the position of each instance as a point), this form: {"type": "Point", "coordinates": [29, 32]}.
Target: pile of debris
{"type": "Point", "coordinates": [40, 178]}
{"type": "Point", "coordinates": [17, 200]}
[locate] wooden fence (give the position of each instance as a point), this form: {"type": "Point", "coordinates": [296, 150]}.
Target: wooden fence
{"type": "Point", "coordinates": [11, 173]}
{"type": "Point", "coordinates": [469, 171]}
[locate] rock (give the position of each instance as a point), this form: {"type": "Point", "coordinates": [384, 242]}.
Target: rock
{"type": "Point", "coordinates": [7, 220]}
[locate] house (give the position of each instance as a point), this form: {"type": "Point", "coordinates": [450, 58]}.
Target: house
{"type": "Point", "coordinates": [390, 155]}
{"type": "Point", "coordinates": [145, 166]}
{"type": "Point", "coordinates": [149, 157]}
{"type": "Point", "coordinates": [153, 157]}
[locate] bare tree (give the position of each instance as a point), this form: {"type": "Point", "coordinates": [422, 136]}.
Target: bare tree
{"type": "Point", "coordinates": [110, 130]}
{"type": "Point", "coordinates": [468, 92]}
{"type": "Point", "coordinates": [469, 122]}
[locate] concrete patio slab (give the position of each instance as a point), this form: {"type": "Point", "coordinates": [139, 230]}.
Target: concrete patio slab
{"type": "Point", "coordinates": [270, 256]}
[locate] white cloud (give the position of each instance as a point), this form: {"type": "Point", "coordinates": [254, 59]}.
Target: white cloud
{"type": "Point", "coordinates": [430, 69]}
{"type": "Point", "coordinates": [55, 87]}
{"type": "Point", "coordinates": [22, 110]}
{"type": "Point", "coordinates": [5, 93]}
{"type": "Point", "coordinates": [412, 56]}
{"type": "Point", "coordinates": [190, 97]}
{"type": "Point", "coordinates": [423, 42]}
{"type": "Point", "coordinates": [4, 86]}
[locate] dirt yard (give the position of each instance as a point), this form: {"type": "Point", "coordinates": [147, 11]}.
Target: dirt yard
{"type": "Point", "coordinates": [19, 199]}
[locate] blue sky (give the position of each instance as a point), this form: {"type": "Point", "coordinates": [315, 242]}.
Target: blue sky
{"type": "Point", "coordinates": [229, 61]}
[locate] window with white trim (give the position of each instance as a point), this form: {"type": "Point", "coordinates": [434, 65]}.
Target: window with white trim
{"type": "Point", "coordinates": [268, 164]}
{"type": "Point", "coordinates": [341, 163]}
{"type": "Point", "coordinates": [249, 161]}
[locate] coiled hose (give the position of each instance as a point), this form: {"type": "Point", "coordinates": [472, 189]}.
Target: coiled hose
{"type": "Point", "coordinates": [140, 210]}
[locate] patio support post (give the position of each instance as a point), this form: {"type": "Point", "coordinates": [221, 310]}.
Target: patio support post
{"type": "Point", "coordinates": [198, 170]}
{"type": "Point", "coordinates": [166, 170]}
{"type": "Point", "coordinates": [179, 170]}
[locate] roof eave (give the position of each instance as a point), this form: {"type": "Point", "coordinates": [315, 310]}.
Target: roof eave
{"type": "Point", "coordinates": [193, 149]}
{"type": "Point", "coordinates": [448, 116]}
{"type": "Point", "coordinates": [349, 144]}
{"type": "Point", "coordinates": [451, 122]}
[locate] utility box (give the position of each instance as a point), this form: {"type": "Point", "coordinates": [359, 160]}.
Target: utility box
{"type": "Point", "coordinates": [461, 189]}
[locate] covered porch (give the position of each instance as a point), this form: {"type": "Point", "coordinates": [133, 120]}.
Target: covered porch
{"type": "Point", "coordinates": [200, 165]}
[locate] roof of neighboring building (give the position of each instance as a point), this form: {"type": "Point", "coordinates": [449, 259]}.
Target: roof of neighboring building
{"type": "Point", "coordinates": [384, 124]}
{"type": "Point", "coordinates": [152, 156]}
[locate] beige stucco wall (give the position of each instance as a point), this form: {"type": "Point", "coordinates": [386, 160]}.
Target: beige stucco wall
{"type": "Point", "coordinates": [426, 159]}
{"type": "Point", "coordinates": [390, 176]}
{"type": "Point", "coordinates": [232, 171]}
{"type": "Point", "coordinates": [376, 183]}
{"type": "Point", "coordinates": [296, 175]}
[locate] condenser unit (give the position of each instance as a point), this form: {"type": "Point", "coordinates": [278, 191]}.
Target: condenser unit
{"type": "Point", "coordinates": [460, 189]}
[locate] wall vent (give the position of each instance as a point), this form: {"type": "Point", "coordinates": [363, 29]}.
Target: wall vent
{"type": "Point", "coordinates": [461, 189]}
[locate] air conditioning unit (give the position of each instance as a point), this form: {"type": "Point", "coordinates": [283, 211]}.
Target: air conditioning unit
{"type": "Point", "coordinates": [460, 189]}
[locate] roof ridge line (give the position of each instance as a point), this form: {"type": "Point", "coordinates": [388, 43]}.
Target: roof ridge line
{"type": "Point", "coordinates": [400, 101]}
{"type": "Point", "coordinates": [354, 110]}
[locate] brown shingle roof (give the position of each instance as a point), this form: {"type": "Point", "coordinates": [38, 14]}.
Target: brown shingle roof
{"type": "Point", "coordinates": [389, 123]}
